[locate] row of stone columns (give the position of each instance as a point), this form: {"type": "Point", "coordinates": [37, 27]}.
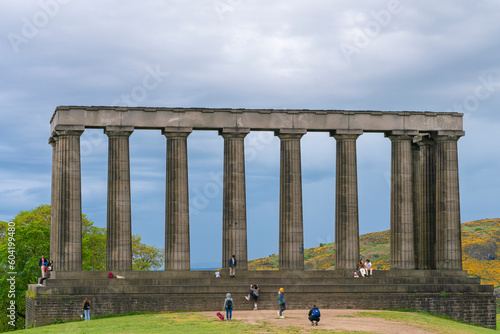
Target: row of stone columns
{"type": "Point", "coordinates": [425, 204]}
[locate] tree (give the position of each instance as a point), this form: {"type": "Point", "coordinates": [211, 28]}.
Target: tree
{"type": "Point", "coordinates": [29, 234]}
{"type": "Point", "coordinates": [146, 257]}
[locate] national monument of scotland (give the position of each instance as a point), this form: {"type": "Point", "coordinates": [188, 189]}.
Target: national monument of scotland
{"type": "Point", "coordinates": [426, 256]}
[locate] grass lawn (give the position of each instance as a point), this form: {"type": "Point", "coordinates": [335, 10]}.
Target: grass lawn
{"type": "Point", "coordinates": [184, 323]}
{"type": "Point", "coordinates": [173, 323]}
{"type": "Point", "coordinates": [430, 322]}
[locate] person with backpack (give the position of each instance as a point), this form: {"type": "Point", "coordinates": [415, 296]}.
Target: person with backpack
{"type": "Point", "coordinates": [314, 315]}
{"type": "Point", "coordinates": [228, 306]}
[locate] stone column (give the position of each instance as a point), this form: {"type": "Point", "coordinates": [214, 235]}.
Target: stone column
{"type": "Point", "coordinates": [54, 251]}
{"type": "Point", "coordinates": [415, 151]}
{"type": "Point", "coordinates": [119, 231]}
{"type": "Point", "coordinates": [234, 220]}
{"type": "Point", "coordinates": [402, 250]}
{"type": "Point", "coordinates": [426, 218]}
{"type": "Point", "coordinates": [68, 203]}
{"type": "Point", "coordinates": [177, 252]}
{"type": "Point", "coordinates": [448, 237]}
{"type": "Point", "coordinates": [291, 248]}
{"type": "Point", "coordinates": [346, 201]}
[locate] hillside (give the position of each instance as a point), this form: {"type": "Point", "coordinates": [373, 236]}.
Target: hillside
{"type": "Point", "coordinates": [480, 247]}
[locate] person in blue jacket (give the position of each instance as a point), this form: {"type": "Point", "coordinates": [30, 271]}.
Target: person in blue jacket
{"type": "Point", "coordinates": [232, 266]}
{"type": "Point", "coordinates": [314, 315]}
{"type": "Point", "coordinates": [282, 300]}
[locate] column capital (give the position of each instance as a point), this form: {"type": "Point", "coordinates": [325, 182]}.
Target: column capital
{"type": "Point", "coordinates": [401, 134]}
{"type": "Point", "coordinates": [176, 132]}
{"type": "Point", "coordinates": [445, 135]}
{"type": "Point", "coordinates": [116, 131]}
{"type": "Point", "coordinates": [234, 132]}
{"type": "Point", "coordinates": [290, 133]}
{"type": "Point", "coordinates": [346, 134]}
{"type": "Point", "coordinates": [52, 141]}
{"type": "Point", "coordinates": [69, 130]}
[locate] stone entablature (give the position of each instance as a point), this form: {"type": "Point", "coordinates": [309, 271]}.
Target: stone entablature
{"type": "Point", "coordinates": [256, 119]}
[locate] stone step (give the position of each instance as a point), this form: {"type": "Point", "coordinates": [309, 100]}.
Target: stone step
{"type": "Point", "coordinates": [258, 274]}
{"type": "Point", "coordinates": [265, 281]}
{"type": "Point", "coordinates": [139, 288]}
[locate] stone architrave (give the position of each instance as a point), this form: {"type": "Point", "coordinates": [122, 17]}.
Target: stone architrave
{"type": "Point", "coordinates": [234, 216]}
{"type": "Point", "coordinates": [402, 250]}
{"type": "Point", "coordinates": [346, 201]}
{"type": "Point", "coordinates": [291, 229]}
{"type": "Point", "coordinates": [68, 233]}
{"type": "Point", "coordinates": [177, 251]}
{"type": "Point", "coordinates": [426, 204]}
{"type": "Point", "coordinates": [448, 236]}
{"type": "Point", "coordinates": [119, 225]}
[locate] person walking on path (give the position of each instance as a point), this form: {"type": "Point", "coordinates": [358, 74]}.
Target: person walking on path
{"type": "Point", "coordinates": [86, 308]}
{"type": "Point", "coordinates": [314, 315]}
{"type": "Point", "coordinates": [232, 266]}
{"type": "Point", "coordinates": [281, 296]}
{"type": "Point", "coordinates": [228, 306]}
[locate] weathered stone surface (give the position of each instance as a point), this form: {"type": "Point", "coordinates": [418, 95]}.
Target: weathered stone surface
{"type": "Point", "coordinates": [119, 221]}
{"type": "Point", "coordinates": [255, 119]}
{"type": "Point", "coordinates": [346, 202]}
{"type": "Point", "coordinates": [448, 237]}
{"type": "Point", "coordinates": [402, 228]}
{"type": "Point", "coordinates": [177, 250]}
{"type": "Point", "coordinates": [291, 227]}
{"type": "Point", "coordinates": [234, 215]}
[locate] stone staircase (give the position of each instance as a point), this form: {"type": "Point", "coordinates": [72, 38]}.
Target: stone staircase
{"type": "Point", "coordinates": [450, 293]}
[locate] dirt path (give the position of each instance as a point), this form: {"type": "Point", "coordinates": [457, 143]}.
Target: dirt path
{"type": "Point", "coordinates": [336, 320]}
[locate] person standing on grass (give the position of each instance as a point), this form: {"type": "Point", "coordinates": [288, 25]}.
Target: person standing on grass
{"type": "Point", "coordinates": [228, 306]}
{"type": "Point", "coordinates": [86, 308]}
{"type": "Point", "coordinates": [282, 301]}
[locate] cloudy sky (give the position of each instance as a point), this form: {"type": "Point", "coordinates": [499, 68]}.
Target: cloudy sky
{"type": "Point", "coordinates": [377, 55]}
